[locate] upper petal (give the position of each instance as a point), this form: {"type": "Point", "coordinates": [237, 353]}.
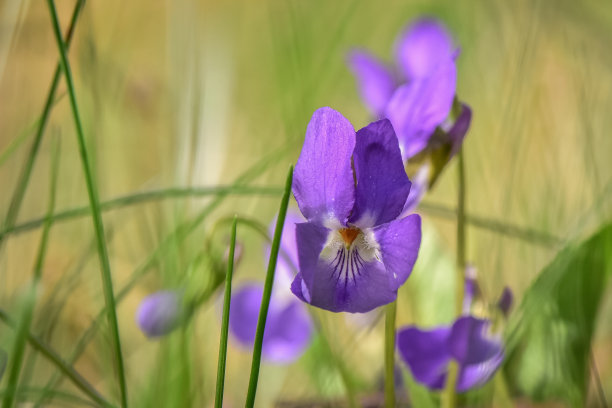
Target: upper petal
{"type": "Point", "coordinates": [374, 79]}
{"type": "Point", "coordinates": [468, 342]}
{"type": "Point", "coordinates": [421, 48]}
{"type": "Point", "coordinates": [399, 242]}
{"type": "Point", "coordinates": [382, 183]}
{"type": "Point", "coordinates": [416, 108]}
{"type": "Point", "coordinates": [426, 354]}
{"type": "Point", "coordinates": [344, 283]}
{"type": "Point", "coordinates": [323, 178]}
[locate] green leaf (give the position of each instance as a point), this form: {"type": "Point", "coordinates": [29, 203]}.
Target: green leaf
{"type": "Point", "coordinates": [549, 338]}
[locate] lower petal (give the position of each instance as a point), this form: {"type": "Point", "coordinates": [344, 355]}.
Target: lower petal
{"type": "Point", "coordinates": [476, 375]}
{"type": "Point", "coordinates": [288, 333]}
{"type": "Point", "coordinates": [469, 343]}
{"type": "Point", "coordinates": [399, 242]}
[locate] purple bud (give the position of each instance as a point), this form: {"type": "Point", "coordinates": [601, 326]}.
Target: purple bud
{"type": "Point", "coordinates": [160, 313]}
{"type": "Point", "coordinates": [505, 301]}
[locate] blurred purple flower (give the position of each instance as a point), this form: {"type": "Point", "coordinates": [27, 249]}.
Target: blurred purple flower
{"type": "Point", "coordinates": [417, 96]}
{"type": "Point", "coordinates": [354, 252]}
{"type": "Point", "coordinates": [288, 326]}
{"type": "Point", "coordinates": [160, 313]}
{"type": "Point", "coordinates": [428, 353]}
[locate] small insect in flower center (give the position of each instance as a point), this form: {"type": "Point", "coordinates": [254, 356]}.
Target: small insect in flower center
{"type": "Point", "coordinates": [349, 235]}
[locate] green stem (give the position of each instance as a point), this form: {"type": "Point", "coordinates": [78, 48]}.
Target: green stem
{"type": "Point", "coordinates": [449, 397]}
{"type": "Point", "coordinates": [225, 319]}
{"type": "Point", "coordinates": [94, 203]}
{"type": "Point", "coordinates": [143, 197]}
{"type": "Point", "coordinates": [24, 176]}
{"type": "Point", "coordinates": [390, 355]}
{"type": "Point", "coordinates": [67, 370]}
{"type": "Point", "coordinates": [30, 302]}
{"type": "Point", "coordinates": [265, 301]}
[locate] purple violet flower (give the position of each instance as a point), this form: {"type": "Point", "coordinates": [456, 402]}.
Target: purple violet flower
{"type": "Point", "coordinates": [418, 95]}
{"type": "Point", "coordinates": [354, 252]}
{"type": "Point", "coordinates": [288, 326]}
{"type": "Point", "coordinates": [160, 313]}
{"type": "Point", "coordinates": [428, 353]}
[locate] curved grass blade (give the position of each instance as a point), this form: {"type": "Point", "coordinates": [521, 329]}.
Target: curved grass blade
{"type": "Point", "coordinates": [94, 202]}
{"type": "Point", "coordinates": [225, 319]}
{"type": "Point", "coordinates": [143, 197]}
{"type": "Point", "coordinates": [24, 176]}
{"type": "Point", "coordinates": [66, 369]}
{"type": "Point", "coordinates": [265, 301]}
{"type": "Point", "coordinates": [18, 351]}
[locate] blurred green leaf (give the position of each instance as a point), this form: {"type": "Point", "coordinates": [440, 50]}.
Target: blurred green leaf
{"type": "Point", "coordinates": [549, 338]}
{"type": "Point", "coordinates": [3, 361]}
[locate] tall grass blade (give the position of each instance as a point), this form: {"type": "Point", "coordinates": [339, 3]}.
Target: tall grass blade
{"type": "Point", "coordinates": [18, 351]}
{"type": "Point", "coordinates": [390, 355]}
{"type": "Point", "coordinates": [24, 176]}
{"type": "Point", "coordinates": [265, 301]}
{"type": "Point", "coordinates": [107, 281]}
{"type": "Point", "coordinates": [64, 368]}
{"type": "Point", "coordinates": [227, 297]}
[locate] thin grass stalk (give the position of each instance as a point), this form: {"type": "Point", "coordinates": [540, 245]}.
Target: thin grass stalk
{"type": "Point", "coordinates": [225, 319]}
{"type": "Point", "coordinates": [55, 359]}
{"type": "Point", "coordinates": [144, 197]}
{"type": "Point", "coordinates": [390, 354]}
{"type": "Point", "coordinates": [24, 176]}
{"type": "Point", "coordinates": [449, 398]}
{"type": "Point", "coordinates": [265, 301]}
{"type": "Point", "coordinates": [18, 351]}
{"type": "Point", "coordinates": [107, 281]}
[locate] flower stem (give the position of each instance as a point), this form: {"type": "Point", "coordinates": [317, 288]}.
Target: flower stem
{"type": "Point", "coordinates": [265, 301]}
{"type": "Point", "coordinates": [225, 319]}
{"type": "Point", "coordinates": [390, 354]}
{"type": "Point", "coordinates": [449, 397]}
{"type": "Point", "coordinates": [94, 202]}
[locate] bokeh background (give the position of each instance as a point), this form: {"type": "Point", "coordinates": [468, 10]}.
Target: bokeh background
{"type": "Point", "coordinates": [198, 93]}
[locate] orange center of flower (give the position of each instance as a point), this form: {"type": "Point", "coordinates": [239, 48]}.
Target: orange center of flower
{"type": "Point", "coordinates": [349, 235]}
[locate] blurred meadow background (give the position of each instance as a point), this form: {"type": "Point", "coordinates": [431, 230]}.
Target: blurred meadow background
{"type": "Point", "coordinates": [178, 97]}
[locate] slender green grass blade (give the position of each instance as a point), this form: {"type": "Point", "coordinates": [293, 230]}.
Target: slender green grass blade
{"type": "Point", "coordinates": [94, 202]}
{"type": "Point", "coordinates": [56, 360]}
{"type": "Point", "coordinates": [18, 351]}
{"type": "Point", "coordinates": [265, 301]}
{"type": "Point", "coordinates": [390, 355]}
{"type": "Point", "coordinates": [227, 297]}
{"type": "Point", "coordinates": [24, 176]}
{"type": "Point", "coordinates": [144, 197]}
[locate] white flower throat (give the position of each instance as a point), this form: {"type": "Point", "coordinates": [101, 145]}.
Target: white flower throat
{"type": "Point", "coordinates": [347, 250]}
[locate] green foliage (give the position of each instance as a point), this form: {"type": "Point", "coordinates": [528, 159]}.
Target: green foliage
{"type": "Point", "coordinates": [549, 338]}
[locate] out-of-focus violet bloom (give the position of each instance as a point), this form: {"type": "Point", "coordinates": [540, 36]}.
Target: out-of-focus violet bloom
{"type": "Point", "coordinates": [288, 326]}
{"type": "Point", "coordinates": [160, 313]}
{"type": "Point", "coordinates": [416, 96]}
{"type": "Point", "coordinates": [354, 253]}
{"type": "Point", "coordinates": [505, 301]}
{"type": "Point", "coordinates": [428, 353]}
